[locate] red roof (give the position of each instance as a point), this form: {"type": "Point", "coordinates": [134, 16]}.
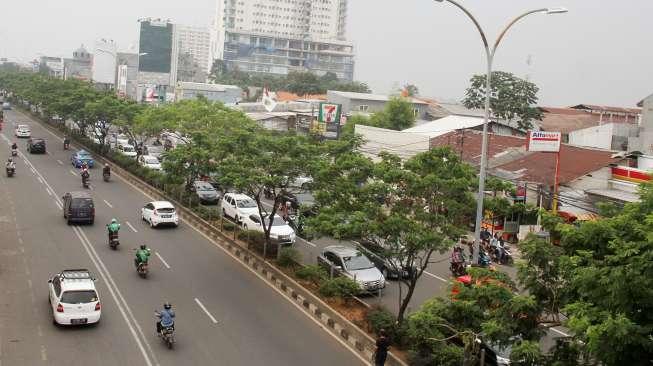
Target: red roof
{"type": "Point", "coordinates": [284, 96]}
{"type": "Point", "coordinates": [531, 167]}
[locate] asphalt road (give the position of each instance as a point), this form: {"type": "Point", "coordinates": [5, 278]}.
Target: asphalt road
{"type": "Point", "coordinates": [225, 314]}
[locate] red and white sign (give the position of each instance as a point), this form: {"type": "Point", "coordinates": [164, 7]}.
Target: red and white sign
{"type": "Point", "coordinates": [543, 141]}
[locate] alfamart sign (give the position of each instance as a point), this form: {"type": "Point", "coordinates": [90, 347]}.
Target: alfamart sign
{"type": "Point", "coordinates": [544, 141]}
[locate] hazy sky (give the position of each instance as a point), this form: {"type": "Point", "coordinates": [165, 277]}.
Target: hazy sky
{"type": "Point", "coordinates": [601, 52]}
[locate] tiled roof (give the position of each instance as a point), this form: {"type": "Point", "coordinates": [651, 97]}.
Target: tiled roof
{"type": "Point", "coordinates": [507, 157]}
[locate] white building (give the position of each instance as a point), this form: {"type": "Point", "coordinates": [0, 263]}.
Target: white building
{"type": "Point", "coordinates": [273, 37]}
{"type": "Point", "coordinates": [194, 41]}
{"type": "Point", "coordinates": [104, 62]}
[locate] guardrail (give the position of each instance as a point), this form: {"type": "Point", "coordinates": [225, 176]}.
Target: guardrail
{"type": "Point", "coordinates": [334, 322]}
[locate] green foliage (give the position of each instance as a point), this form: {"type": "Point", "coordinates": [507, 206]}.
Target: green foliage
{"type": "Point", "coordinates": [526, 353]}
{"type": "Point", "coordinates": [312, 273]}
{"type": "Point", "coordinates": [414, 208]}
{"type": "Point", "coordinates": [512, 98]}
{"type": "Point", "coordinates": [289, 257]}
{"type": "Point", "coordinates": [411, 90]}
{"type": "Point", "coordinates": [342, 287]}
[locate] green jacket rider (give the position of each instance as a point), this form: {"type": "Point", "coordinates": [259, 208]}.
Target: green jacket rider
{"type": "Point", "coordinates": [113, 227]}
{"type": "Point", "coordinates": [142, 255]}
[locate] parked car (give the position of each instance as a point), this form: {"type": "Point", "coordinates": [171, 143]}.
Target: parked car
{"type": "Point", "coordinates": [78, 207]}
{"type": "Point", "coordinates": [353, 264]}
{"type": "Point", "coordinates": [23, 131]}
{"type": "Point", "coordinates": [301, 182]}
{"type": "Point", "coordinates": [280, 232]}
{"type": "Point", "coordinates": [127, 150]}
{"type": "Point", "coordinates": [301, 199]}
{"type": "Point", "coordinates": [237, 206]}
{"type": "Point", "coordinates": [205, 192]}
{"type": "Point", "coordinates": [150, 162]}
{"type": "Point", "coordinates": [73, 298]}
{"type": "Point", "coordinates": [6, 106]}
{"type": "Point", "coordinates": [36, 145]}
{"type": "Point", "coordinates": [160, 213]}
{"type": "Point", "coordinates": [80, 157]}
{"type": "Point", "coordinates": [155, 151]}
{"type": "Point", "coordinates": [390, 267]}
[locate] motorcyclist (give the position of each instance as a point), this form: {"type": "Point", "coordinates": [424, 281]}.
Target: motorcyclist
{"type": "Point", "coordinates": [106, 170]}
{"type": "Point", "coordinates": [85, 175]}
{"type": "Point", "coordinates": [166, 318]}
{"type": "Point", "coordinates": [457, 258]}
{"type": "Point", "coordinates": [113, 228]}
{"type": "Point", "coordinates": [142, 255]}
{"type": "Point", "coordinates": [14, 146]}
{"type": "Point", "coordinates": [66, 141]}
{"type": "Point", "coordinates": [10, 164]}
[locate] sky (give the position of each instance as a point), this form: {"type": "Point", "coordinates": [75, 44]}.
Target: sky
{"type": "Point", "coordinates": [601, 52]}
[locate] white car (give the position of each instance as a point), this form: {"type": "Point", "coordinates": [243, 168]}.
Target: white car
{"type": "Point", "coordinates": [280, 232]}
{"type": "Point", "coordinates": [150, 162]}
{"type": "Point", "coordinates": [352, 263]}
{"type": "Point", "coordinates": [121, 140]}
{"type": "Point", "coordinates": [237, 206]}
{"type": "Point", "coordinates": [127, 150]}
{"type": "Point", "coordinates": [23, 131]}
{"type": "Point", "coordinates": [73, 298]}
{"type": "Point", "coordinates": [160, 213]}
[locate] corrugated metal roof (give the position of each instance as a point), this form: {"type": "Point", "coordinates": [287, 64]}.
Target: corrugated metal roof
{"type": "Point", "coordinates": [365, 96]}
{"type": "Point", "coordinates": [205, 86]}
{"type": "Point", "coordinates": [445, 125]}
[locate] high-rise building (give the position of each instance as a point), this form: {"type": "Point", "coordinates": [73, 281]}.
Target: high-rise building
{"type": "Point", "coordinates": [104, 63]}
{"type": "Point", "coordinates": [274, 37]}
{"type": "Point", "coordinates": [156, 76]}
{"type": "Point", "coordinates": [195, 42]}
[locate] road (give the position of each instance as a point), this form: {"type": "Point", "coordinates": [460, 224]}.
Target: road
{"type": "Point", "coordinates": [225, 314]}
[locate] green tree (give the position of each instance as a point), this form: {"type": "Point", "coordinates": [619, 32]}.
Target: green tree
{"type": "Point", "coordinates": [398, 114]}
{"type": "Point", "coordinates": [411, 90]}
{"type": "Point", "coordinates": [511, 98]}
{"type": "Point", "coordinates": [412, 209]}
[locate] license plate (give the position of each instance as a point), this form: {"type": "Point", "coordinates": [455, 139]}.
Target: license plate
{"type": "Point", "coordinates": [166, 216]}
{"type": "Point", "coordinates": [78, 321]}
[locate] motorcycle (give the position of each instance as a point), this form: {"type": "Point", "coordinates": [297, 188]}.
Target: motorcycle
{"type": "Point", "coordinates": [458, 269]}
{"type": "Point", "coordinates": [507, 255]}
{"type": "Point", "coordinates": [142, 269]}
{"type": "Point", "coordinates": [11, 172]}
{"type": "Point", "coordinates": [484, 259]}
{"type": "Point", "coordinates": [113, 241]}
{"type": "Point", "coordinates": [106, 176]}
{"type": "Point", "coordinates": [14, 152]}
{"type": "Point", "coordinates": [85, 183]}
{"type": "Point", "coordinates": [66, 145]}
{"type": "Point", "coordinates": [166, 333]}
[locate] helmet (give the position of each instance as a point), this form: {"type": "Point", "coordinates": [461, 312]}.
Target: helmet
{"type": "Point", "coordinates": [106, 165]}
{"type": "Point", "coordinates": [113, 221]}
{"type": "Point", "coordinates": [167, 306]}
{"type": "Point", "coordinates": [143, 246]}
{"type": "Point", "coordinates": [9, 160]}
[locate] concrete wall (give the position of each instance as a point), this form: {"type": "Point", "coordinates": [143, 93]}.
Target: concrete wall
{"type": "Point", "coordinates": [647, 113]}
{"type": "Point", "coordinates": [598, 137]}
{"type": "Point", "coordinates": [595, 180]}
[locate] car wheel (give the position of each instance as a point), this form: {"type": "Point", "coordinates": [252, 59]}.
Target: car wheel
{"type": "Point", "coordinates": [385, 273]}
{"type": "Point", "coordinates": [151, 224]}
{"type": "Point", "coordinates": [224, 213]}
{"type": "Point", "coordinates": [68, 222]}
{"type": "Point", "coordinates": [91, 222]}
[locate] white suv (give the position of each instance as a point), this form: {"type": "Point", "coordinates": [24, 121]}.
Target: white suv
{"type": "Point", "coordinates": [73, 298]}
{"type": "Point", "coordinates": [23, 131]}
{"type": "Point", "coordinates": [160, 213]}
{"type": "Point", "coordinates": [237, 206]}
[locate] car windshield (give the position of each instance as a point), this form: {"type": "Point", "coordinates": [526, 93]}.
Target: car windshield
{"type": "Point", "coordinates": [79, 297]}
{"type": "Point", "coordinates": [165, 210]}
{"type": "Point", "coordinates": [205, 187]}
{"type": "Point", "coordinates": [357, 262]}
{"type": "Point", "coordinates": [83, 155]}
{"type": "Point", "coordinates": [246, 203]}
{"type": "Point", "coordinates": [277, 221]}
{"type": "Point", "coordinates": [81, 202]}
{"type": "Point", "coordinates": [151, 161]}
{"type": "Point", "coordinates": [128, 148]}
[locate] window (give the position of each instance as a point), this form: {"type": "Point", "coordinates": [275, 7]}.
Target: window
{"type": "Point", "coordinates": [358, 262]}
{"type": "Point", "coordinates": [165, 210]}
{"type": "Point", "coordinates": [363, 108]}
{"type": "Point", "coordinates": [56, 284]}
{"type": "Point", "coordinates": [79, 297]}
{"type": "Point", "coordinates": [82, 203]}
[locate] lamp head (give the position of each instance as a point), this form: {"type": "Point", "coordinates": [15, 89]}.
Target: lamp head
{"type": "Point", "coordinates": [557, 10]}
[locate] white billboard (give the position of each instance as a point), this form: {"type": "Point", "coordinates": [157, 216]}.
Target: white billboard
{"type": "Point", "coordinates": [543, 141]}
{"type": "Point", "coordinates": [104, 62]}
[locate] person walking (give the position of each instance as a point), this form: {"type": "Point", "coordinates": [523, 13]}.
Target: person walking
{"type": "Point", "coordinates": [382, 345]}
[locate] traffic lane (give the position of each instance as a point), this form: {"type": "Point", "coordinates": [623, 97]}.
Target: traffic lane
{"type": "Point", "coordinates": [117, 193]}
{"type": "Point", "coordinates": [48, 248]}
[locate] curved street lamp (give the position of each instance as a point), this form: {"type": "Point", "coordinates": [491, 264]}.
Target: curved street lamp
{"type": "Point", "coordinates": [490, 58]}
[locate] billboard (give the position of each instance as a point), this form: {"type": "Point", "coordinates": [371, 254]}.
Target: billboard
{"type": "Point", "coordinates": [155, 47]}
{"type": "Point", "coordinates": [329, 113]}
{"type": "Point", "coordinates": [543, 141]}
{"type": "Point", "coordinates": [104, 62]}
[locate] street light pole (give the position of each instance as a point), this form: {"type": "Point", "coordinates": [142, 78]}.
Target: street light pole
{"type": "Point", "coordinates": [488, 83]}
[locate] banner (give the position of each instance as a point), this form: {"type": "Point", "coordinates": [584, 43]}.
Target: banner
{"type": "Point", "coordinates": [329, 113]}
{"type": "Point", "coordinates": [543, 141]}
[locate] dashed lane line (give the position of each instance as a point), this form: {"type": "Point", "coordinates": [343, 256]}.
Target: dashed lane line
{"type": "Point", "coordinates": [206, 311]}
{"type": "Point", "coordinates": [131, 227]}
{"type": "Point", "coordinates": [162, 260]}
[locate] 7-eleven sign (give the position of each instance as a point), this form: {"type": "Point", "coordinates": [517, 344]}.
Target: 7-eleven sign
{"type": "Point", "coordinates": [329, 113]}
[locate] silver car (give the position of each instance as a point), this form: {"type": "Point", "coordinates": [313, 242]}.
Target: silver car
{"type": "Point", "coordinates": [205, 192]}
{"type": "Point", "coordinates": [351, 263]}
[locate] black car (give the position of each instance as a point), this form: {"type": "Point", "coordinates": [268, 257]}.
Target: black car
{"type": "Point", "coordinates": [389, 266]}
{"type": "Point", "coordinates": [297, 200]}
{"type": "Point", "coordinates": [36, 145]}
{"type": "Point", "coordinates": [78, 207]}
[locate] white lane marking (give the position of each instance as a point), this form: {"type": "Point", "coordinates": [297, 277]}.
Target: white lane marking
{"type": "Point", "coordinates": [560, 332]}
{"type": "Point", "coordinates": [110, 283]}
{"type": "Point", "coordinates": [117, 296]}
{"type": "Point", "coordinates": [72, 172]}
{"type": "Point", "coordinates": [60, 162]}
{"type": "Point", "coordinates": [58, 204]}
{"type": "Point", "coordinates": [49, 191]}
{"type": "Point", "coordinates": [130, 226]}
{"type": "Point", "coordinates": [29, 283]}
{"type": "Point", "coordinates": [206, 311]}
{"type": "Point", "coordinates": [309, 243]}
{"type": "Point", "coordinates": [44, 353]}
{"type": "Point", "coordinates": [162, 260]}
{"type": "Point", "coordinates": [265, 280]}
{"type": "Point", "coordinates": [20, 240]}
{"type": "Point", "coordinates": [436, 276]}
{"type": "Point", "coordinates": [49, 153]}
{"type": "Point", "coordinates": [108, 204]}
{"type": "Point", "coordinates": [40, 180]}
{"type": "Point", "coordinates": [32, 169]}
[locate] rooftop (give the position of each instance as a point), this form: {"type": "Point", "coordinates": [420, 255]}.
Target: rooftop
{"type": "Point", "coordinates": [366, 96]}
{"type": "Point", "coordinates": [447, 124]}
{"type": "Point", "coordinates": [607, 109]}
{"type": "Point", "coordinates": [205, 86]}
{"type": "Point", "coordinates": [284, 96]}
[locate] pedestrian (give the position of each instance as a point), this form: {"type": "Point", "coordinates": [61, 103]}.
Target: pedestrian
{"type": "Point", "coordinates": [382, 345]}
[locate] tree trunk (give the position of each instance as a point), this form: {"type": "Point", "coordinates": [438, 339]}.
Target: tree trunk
{"type": "Point", "coordinates": [406, 300]}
